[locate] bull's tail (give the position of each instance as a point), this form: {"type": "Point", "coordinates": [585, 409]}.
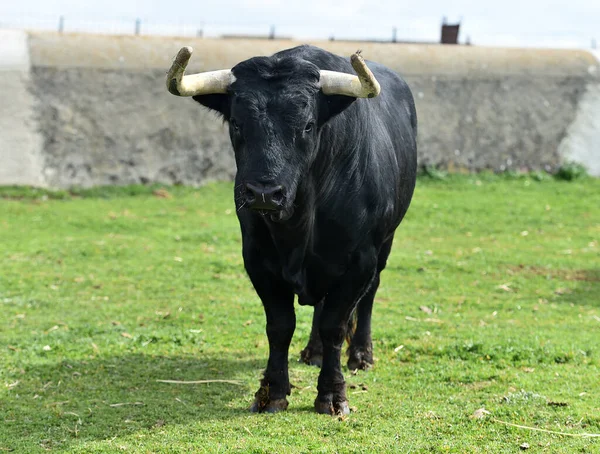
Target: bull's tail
{"type": "Point", "coordinates": [351, 328]}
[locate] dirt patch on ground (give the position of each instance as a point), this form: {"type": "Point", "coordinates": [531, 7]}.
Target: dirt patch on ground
{"type": "Point", "coordinates": [561, 274]}
{"type": "Point", "coordinates": [478, 385]}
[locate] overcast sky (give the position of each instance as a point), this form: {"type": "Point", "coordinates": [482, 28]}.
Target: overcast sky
{"type": "Point", "coordinates": [544, 23]}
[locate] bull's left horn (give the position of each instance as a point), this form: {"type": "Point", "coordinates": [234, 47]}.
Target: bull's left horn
{"type": "Point", "coordinates": [196, 84]}
{"type": "Point", "coordinates": [362, 86]}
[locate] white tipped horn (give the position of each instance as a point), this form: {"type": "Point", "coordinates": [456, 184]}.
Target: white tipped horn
{"type": "Point", "coordinates": [196, 84]}
{"type": "Point", "coordinates": [364, 85]}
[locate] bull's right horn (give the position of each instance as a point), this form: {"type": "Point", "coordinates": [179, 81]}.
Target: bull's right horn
{"type": "Point", "coordinates": [196, 84]}
{"type": "Point", "coordinates": [363, 85]}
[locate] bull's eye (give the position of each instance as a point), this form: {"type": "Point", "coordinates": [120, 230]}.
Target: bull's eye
{"type": "Point", "coordinates": [234, 125]}
{"type": "Point", "coordinates": [309, 127]}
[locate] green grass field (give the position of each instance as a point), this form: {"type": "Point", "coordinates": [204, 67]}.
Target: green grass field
{"type": "Point", "coordinates": [491, 299]}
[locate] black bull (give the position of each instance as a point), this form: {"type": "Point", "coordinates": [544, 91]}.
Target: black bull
{"type": "Point", "coordinates": [322, 184]}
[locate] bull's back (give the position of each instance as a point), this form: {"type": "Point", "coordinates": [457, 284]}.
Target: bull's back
{"type": "Point", "coordinates": [396, 109]}
{"type": "Point", "coordinates": [389, 151]}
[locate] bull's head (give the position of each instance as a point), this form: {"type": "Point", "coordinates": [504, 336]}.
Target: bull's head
{"type": "Point", "coordinates": [275, 108]}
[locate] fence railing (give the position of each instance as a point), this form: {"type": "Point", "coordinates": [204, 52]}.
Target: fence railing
{"type": "Point", "coordinates": [407, 31]}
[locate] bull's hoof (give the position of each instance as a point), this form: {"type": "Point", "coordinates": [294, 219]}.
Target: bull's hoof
{"type": "Point", "coordinates": [264, 404]}
{"type": "Point", "coordinates": [332, 408]}
{"type": "Point", "coordinates": [360, 359]}
{"type": "Point", "coordinates": [311, 356]}
{"type": "Point", "coordinates": [271, 406]}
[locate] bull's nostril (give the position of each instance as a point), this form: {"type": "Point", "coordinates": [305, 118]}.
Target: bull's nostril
{"type": "Point", "coordinates": [277, 196]}
{"type": "Point", "coordinates": [249, 195]}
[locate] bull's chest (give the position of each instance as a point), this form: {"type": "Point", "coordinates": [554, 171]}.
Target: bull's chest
{"type": "Point", "coordinates": [311, 278]}
{"type": "Point", "coordinates": [313, 261]}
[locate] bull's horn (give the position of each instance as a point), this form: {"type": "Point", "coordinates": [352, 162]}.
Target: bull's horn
{"type": "Point", "coordinates": [196, 84]}
{"type": "Point", "coordinates": [362, 86]}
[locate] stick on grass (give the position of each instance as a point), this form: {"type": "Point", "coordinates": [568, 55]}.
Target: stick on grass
{"type": "Point", "coordinates": [583, 435]}
{"type": "Point", "coordinates": [122, 404]}
{"type": "Point", "coordinates": [200, 382]}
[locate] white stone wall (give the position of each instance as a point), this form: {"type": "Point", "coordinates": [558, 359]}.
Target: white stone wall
{"type": "Point", "coordinates": [21, 161]}
{"type": "Point", "coordinates": [582, 142]}
{"type": "Point", "coordinates": [91, 110]}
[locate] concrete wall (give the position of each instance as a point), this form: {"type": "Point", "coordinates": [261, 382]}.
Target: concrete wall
{"type": "Point", "coordinates": [21, 160]}
{"type": "Point", "coordinates": [102, 114]}
{"type": "Point", "coordinates": [582, 139]}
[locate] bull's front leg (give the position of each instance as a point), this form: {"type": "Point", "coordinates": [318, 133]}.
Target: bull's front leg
{"type": "Point", "coordinates": [278, 302]}
{"type": "Point", "coordinates": [337, 309]}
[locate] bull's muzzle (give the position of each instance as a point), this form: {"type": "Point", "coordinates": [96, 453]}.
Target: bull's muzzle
{"type": "Point", "coordinates": [264, 197]}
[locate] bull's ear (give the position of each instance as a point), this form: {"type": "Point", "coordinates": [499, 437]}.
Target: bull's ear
{"type": "Point", "coordinates": [216, 102]}
{"type": "Point", "coordinates": [331, 105]}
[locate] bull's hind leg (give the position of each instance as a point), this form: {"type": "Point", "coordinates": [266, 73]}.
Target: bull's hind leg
{"type": "Point", "coordinates": [360, 352]}
{"type": "Point", "coordinates": [313, 352]}
{"type": "Point", "coordinates": [278, 302]}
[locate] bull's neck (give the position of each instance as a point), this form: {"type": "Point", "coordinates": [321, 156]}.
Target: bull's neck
{"type": "Point", "coordinates": [293, 238]}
